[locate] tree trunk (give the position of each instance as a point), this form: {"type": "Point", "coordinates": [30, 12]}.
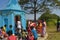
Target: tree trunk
{"type": "Point", "coordinates": [35, 15]}
{"type": "Point", "coordinates": [35, 10]}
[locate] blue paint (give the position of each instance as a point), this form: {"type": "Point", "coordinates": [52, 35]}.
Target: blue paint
{"type": "Point", "coordinates": [6, 23]}
{"type": "Point", "coordinates": [1, 21]}
{"type": "Point", "coordinates": [11, 9]}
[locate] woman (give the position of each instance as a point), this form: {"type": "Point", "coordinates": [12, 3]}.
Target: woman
{"type": "Point", "coordinates": [43, 28]}
{"type": "Point", "coordinates": [39, 28]}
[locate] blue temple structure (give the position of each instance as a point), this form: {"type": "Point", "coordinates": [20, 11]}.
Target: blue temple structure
{"type": "Point", "coordinates": [10, 12]}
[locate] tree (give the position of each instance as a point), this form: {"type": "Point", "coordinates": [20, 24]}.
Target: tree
{"type": "Point", "coordinates": [47, 16]}
{"type": "Point", "coordinates": [57, 2]}
{"type": "Point", "coordinates": [22, 2]}
{"type": "Point", "coordinates": [37, 6]}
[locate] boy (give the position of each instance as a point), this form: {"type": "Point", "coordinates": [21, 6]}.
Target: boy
{"type": "Point", "coordinates": [11, 37]}
{"type": "Point", "coordinates": [4, 27]}
{"type": "Point", "coordinates": [24, 34]}
{"type": "Point", "coordinates": [19, 34]}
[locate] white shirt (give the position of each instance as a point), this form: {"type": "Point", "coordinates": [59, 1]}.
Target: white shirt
{"type": "Point", "coordinates": [19, 24]}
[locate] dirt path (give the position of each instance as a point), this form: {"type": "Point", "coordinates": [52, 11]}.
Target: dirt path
{"type": "Point", "coordinates": [43, 38]}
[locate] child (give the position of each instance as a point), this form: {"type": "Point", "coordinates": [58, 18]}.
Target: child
{"type": "Point", "coordinates": [4, 33]}
{"type": "Point", "coordinates": [11, 37]}
{"type": "Point", "coordinates": [0, 33]}
{"type": "Point", "coordinates": [11, 27]}
{"type": "Point", "coordinates": [34, 33]}
{"type": "Point", "coordinates": [24, 35]}
{"type": "Point", "coordinates": [19, 34]}
{"type": "Point", "coordinates": [4, 27]}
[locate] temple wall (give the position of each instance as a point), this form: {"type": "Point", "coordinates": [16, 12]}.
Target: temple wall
{"type": "Point", "coordinates": [9, 19]}
{"type": "Point", "coordinates": [1, 21]}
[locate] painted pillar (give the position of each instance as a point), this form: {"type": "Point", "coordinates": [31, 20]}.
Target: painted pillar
{"type": "Point", "coordinates": [1, 21]}
{"type": "Point", "coordinates": [13, 23]}
{"type": "Point", "coordinates": [9, 21]}
{"type": "Point", "coordinates": [23, 21]}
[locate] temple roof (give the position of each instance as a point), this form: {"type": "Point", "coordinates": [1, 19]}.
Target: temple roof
{"type": "Point", "coordinates": [9, 4]}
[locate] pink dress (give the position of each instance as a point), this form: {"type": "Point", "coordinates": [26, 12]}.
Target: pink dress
{"type": "Point", "coordinates": [44, 29]}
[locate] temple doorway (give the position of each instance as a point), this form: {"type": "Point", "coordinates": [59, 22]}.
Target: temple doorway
{"type": "Point", "coordinates": [17, 18]}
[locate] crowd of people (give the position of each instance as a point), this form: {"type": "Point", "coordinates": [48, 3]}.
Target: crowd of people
{"type": "Point", "coordinates": [39, 26]}
{"type": "Point", "coordinates": [31, 32]}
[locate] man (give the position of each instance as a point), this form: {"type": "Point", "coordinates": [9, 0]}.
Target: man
{"type": "Point", "coordinates": [58, 25]}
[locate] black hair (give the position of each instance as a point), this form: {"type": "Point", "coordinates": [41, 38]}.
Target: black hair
{"type": "Point", "coordinates": [10, 26]}
{"type": "Point", "coordinates": [43, 20]}
{"type": "Point", "coordinates": [5, 25]}
{"type": "Point", "coordinates": [31, 27]}
{"type": "Point", "coordinates": [27, 28]}
{"type": "Point", "coordinates": [17, 29]}
{"type": "Point", "coordinates": [24, 30]}
{"type": "Point", "coordinates": [1, 27]}
{"type": "Point", "coordinates": [10, 32]}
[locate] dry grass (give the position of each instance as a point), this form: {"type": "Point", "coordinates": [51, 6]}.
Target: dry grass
{"type": "Point", "coordinates": [53, 34]}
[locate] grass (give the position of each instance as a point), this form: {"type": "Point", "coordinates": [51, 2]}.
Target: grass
{"type": "Point", "coordinates": [52, 33]}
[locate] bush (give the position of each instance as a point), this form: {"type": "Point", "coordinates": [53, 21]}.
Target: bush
{"type": "Point", "coordinates": [52, 22]}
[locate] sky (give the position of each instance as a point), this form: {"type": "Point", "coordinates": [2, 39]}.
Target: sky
{"type": "Point", "coordinates": [56, 11]}
{"type": "Point", "coordinates": [4, 3]}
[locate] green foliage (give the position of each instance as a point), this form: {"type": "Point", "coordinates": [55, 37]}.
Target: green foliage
{"type": "Point", "coordinates": [52, 22]}
{"type": "Point", "coordinates": [22, 2]}
{"type": "Point", "coordinates": [48, 16]}
{"type": "Point", "coordinates": [58, 2]}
